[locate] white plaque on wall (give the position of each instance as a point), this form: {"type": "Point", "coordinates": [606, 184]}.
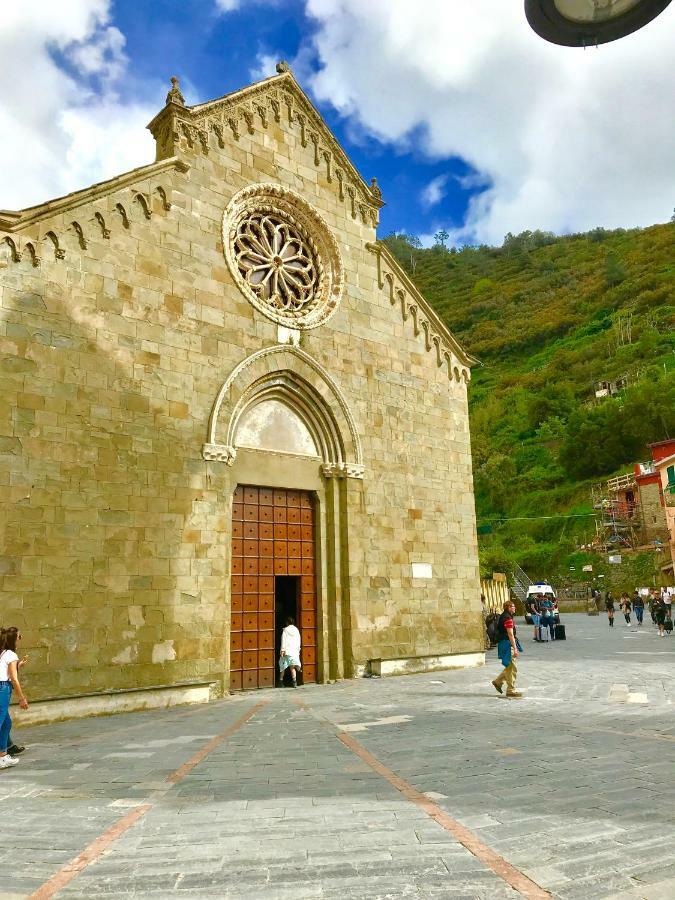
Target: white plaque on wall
{"type": "Point", "coordinates": [421, 570]}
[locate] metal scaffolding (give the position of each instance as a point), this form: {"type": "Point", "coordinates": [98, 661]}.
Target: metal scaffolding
{"type": "Point", "coordinates": [618, 520]}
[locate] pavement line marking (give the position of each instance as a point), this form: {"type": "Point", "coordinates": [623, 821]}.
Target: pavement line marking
{"type": "Point", "coordinates": [503, 869]}
{"type": "Point", "coordinates": [508, 873]}
{"type": "Point", "coordinates": [100, 844]}
{"type": "Point", "coordinates": [91, 853]}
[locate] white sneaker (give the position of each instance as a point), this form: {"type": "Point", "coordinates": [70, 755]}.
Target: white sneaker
{"type": "Point", "coordinates": [7, 761]}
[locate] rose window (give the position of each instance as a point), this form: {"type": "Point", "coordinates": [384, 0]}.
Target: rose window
{"type": "Point", "coordinates": [282, 256]}
{"type": "Point", "coordinates": [276, 263]}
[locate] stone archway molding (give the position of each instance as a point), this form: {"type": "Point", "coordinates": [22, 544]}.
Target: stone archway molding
{"type": "Point", "coordinates": [288, 371]}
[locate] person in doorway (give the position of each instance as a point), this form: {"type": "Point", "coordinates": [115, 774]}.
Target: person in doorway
{"type": "Point", "coordinates": [9, 681]}
{"type": "Point", "coordinates": [638, 606]}
{"type": "Point", "coordinates": [626, 607]}
{"type": "Point", "coordinates": [289, 657]}
{"type": "Point", "coordinates": [508, 647]}
{"type": "Point", "coordinates": [609, 606]}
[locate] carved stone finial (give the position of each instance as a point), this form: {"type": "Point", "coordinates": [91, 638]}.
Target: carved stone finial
{"type": "Point", "coordinates": [282, 66]}
{"type": "Point", "coordinates": [374, 189]}
{"type": "Point", "coordinates": [174, 95]}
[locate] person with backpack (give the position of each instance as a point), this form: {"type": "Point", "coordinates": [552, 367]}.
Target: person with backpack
{"type": "Point", "coordinates": [9, 680]}
{"type": "Point", "coordinates": [659, 608]}
{"type": "Point", "coordinates": [508, 647]}
{"type": "Point", "coordinates": [547, 617]}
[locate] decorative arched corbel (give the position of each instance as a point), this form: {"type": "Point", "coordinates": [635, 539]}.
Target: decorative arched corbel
{"type": "Point", "coordinates": [352, 197]}
{"type": "Point", "coordinates": [426, 328]}
{"type": "Point", "coordinates": [77, 228]}
{"type": "Point", "coordinates": [234, 125]}
{"type": "Point", "coordinates": [401, 294]}
{"type": "Point", "coordinates": [456, 374]}
{"type": "Point", "coordinates": [248, 118]}
{"type": "Point", "coordinates": [218, 131]}
{"type": "Point", "coordinates": [303, 129]}
{"type": "Point", "coordinates": [123, 213]}
{"type": "Point", "coordinates": [436, 342]}
{"type": "Point", "coordinates": [262, 112]}
{"type": "Point", "coordinates": [105, 232]}
{"type": "Point", "coordinates": [446, 357]}
{"type": "Point", "coordinates": [288, 100]}
{"type": "Point", "coordinates": [14, 252]}
{"type": "Point", "coordinates": [340, 175]}
{"type": "Point", "coordinates": [314, 138]}
{"type": "Point", "coordinates": [59, 252]}
{"type": "Point", "coordinates": [142, 201]}
{"type": "Point", "coordinates": [389, 279]}
{"type": "Point", "coordinates": [328, 159]}
{"type": "Point", "coordinates": [32, 252]}
{"type": "Point", "coordinates": [276, 109]}
{"type": "Point", "coordinates": [414, 313]}
{"type": "Point", "coordinates": [166, 205]}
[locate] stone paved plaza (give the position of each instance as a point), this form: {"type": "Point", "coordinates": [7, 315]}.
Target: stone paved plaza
{"type": "Point", "coordinates": [366, 788]}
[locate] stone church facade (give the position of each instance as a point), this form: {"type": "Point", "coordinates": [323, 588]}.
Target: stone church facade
{"type": "Point", "coordinates": [223, 402]}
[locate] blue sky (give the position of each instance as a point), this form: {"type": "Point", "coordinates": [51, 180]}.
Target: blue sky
{"type": "Point", "coordinates": [468, 120]}
{"type": "Point", "coordinates": [214, 52]}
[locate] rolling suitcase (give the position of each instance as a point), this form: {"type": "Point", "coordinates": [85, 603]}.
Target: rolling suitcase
{"type": "Point", "coordinates": [560, 633]}
{"type": "Point", "coordinates": [543, 635]}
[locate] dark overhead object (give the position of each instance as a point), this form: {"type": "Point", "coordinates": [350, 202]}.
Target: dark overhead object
{"type": "Point", "coordinates": [583, 23]}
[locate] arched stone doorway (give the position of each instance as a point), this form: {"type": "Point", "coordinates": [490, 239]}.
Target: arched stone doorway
{"type": "Point", "coordinates": [290, 448]}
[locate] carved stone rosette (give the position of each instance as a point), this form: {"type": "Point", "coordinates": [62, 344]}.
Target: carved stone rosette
{"type": "Point", "coordinates": [343, 470]}
{"type": "Point", "coordinates": [219, 453]}
{"type": "Point", "coordinates": [282, 256]}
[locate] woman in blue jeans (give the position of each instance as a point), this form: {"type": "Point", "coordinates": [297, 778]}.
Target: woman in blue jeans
{"type": "Point", "coordinates": [9, 679]}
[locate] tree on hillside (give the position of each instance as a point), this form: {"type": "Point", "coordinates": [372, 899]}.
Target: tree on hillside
{"type": "Point", "coordinates": [614, 270]}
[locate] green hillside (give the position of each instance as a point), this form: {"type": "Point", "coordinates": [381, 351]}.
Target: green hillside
{"type": "Point", "coordinates": [548, 317]}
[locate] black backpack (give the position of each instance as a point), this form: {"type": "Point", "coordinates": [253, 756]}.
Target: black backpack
{"type": "Point", "coordinates": [492, 627]}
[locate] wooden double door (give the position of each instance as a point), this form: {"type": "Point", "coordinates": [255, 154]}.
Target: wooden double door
{"type": "Point", "coordinates": [273, 576]}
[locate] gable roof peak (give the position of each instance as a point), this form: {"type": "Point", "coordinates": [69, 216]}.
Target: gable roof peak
{"type": "Point", "coordinates": [278, 98]}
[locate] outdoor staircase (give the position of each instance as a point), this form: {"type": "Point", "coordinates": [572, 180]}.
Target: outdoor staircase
{"type": "Point", "coordinates": [519, 582]}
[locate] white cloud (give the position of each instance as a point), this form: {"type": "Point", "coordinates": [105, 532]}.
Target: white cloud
{"type": "Point", "coordinates": [434, 191]}
{"type": "Point", "coordinates": [565, 139]}
{"type": "Point", "coordinates": [227, 5]}
{"type": "Point", "coordinates": [265, 66]}
{"type": "Point", "coordinates": [62, 130]}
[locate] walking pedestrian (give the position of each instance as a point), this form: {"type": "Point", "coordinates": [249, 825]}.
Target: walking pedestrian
{"type": "Point", "coordinates": [609, 606]}
{"type": "Point", "coordinates": [659, 608]}
{"type": "Point", "coordinates": [290, 650]}
{"type": "Point", "coordinates": [9, 680]}
{"type": "Point", "coordinates": [626, 607]}
{"type": "Point", "coordinates": [508, 647]}
{"type": "Point", "coordinates": [638, 606]}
